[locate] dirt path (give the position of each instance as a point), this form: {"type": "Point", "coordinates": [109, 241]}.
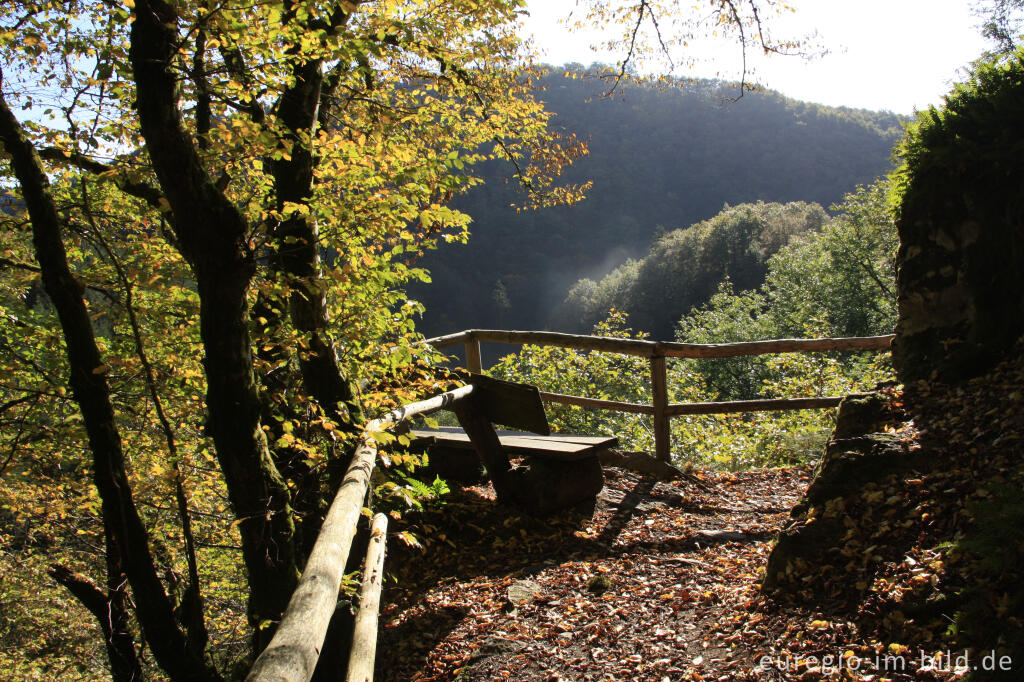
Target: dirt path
{"type": "Point", "coordinates": [657, 581]}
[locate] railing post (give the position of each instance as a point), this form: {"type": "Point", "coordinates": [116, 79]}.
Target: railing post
{"type": "Point", "coordinates": [659, 399]}
{"type": "Point", "coordinates": [473, 361]}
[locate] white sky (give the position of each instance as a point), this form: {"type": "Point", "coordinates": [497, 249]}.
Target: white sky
{"type": "Point", "coordinates": [897, 55]}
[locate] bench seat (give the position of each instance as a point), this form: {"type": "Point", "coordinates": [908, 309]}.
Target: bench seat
{"type": "Point", "coordinates": [566, 447]}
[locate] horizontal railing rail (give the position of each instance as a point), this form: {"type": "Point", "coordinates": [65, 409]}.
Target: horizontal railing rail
{"type": "Point", "coordinates": [667, 349]}
{"type": "Point", "coordinates": [294, 650]}
{"type": "Point", "coordinates": [656, 352]}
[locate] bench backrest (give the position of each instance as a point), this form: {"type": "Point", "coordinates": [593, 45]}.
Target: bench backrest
{"type": "Point", "coordinates": [517, 406]}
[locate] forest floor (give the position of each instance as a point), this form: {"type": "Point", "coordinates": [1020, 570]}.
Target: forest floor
{"type": "Point", "coordinates": [680, 559]}
{"type": "Point", "coordinates": [660, 580]}
{"type": "Point", "coordinates": [680, 601]}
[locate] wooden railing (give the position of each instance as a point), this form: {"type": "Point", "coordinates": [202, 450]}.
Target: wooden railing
{"type": "Point", "coordinates": [656, 352]}
{"type": "Point", "coordinates": [294, 650]}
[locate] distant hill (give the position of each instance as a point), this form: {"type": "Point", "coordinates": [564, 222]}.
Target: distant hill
{"type": "Point", "coordinates": [685, 267]}
{"type": "Point", "coordinates": [660, 159]}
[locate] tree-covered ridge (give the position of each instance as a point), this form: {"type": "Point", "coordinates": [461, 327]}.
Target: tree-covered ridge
{"type": "Point", "coordinates": [660, 159]}
{"type": "Point", "coordinates": [685, 267]}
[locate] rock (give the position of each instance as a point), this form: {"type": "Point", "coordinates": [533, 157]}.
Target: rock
{"type": "Point", "coordinates": [854, 457]}
{"type": "Point", "coordinates": [960, 291]}
{"type": "Point", "coordinates": [641, 463]}
{"type": "Point", "coordinates": [490, 652]}
{"type": "Point", "coordinates": [851, 463]}
{"type": "Point", "coordinates": [861, 413]}
{"type": "Point", "coordinates": [543, 485]}
{"type": "Point", "coordinates": [523, 592]}
{"type": "Point", "coordinates": [716, 536]}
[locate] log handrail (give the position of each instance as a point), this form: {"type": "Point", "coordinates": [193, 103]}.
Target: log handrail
{"type": "Point", "coordinates": [364, 635]}
{"type": "Point", "coordinates": [292, 653]}
{"type": "Point", "coordinates": [615, 405]}
{"type": "Point", "coordinates": [657, 352]}
{"type": "Point", "coordinates": [667, 349]}
{"type": "Point", "coordinates": [769, 405]}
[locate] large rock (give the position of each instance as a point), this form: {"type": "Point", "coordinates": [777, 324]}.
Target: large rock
{"type": "Point", "coordinates": [961, 226]}
{"type": "Point", "coordinates": [860, 453]}
{"type": "Point", "coordinates": [543, 485]}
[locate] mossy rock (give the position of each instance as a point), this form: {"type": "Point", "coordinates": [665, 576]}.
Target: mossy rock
{"type": "Point", "coordinates": [855, 457]}
{"type": "Point", "coordinates": [961, 227]}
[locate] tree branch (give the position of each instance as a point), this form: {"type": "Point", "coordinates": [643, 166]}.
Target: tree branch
{"type": "Point", "coordinates": [192, 600]}
{"type": "Point", "coordinates": [642, 8]}
{"type": "Point", "coordinates": [124, 662]}
{"type": "Point", "coordinates": [139, 190]}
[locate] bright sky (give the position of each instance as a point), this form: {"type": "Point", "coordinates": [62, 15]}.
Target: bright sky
{"type": "Point", "coordinates": [897, 55]}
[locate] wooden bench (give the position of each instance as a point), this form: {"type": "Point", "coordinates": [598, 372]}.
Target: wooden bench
{"type": "Point", "coordinates": [556, 471]}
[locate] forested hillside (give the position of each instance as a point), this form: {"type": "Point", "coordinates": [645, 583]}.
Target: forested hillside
{"type": "Point", "coordinates": [660, 159]}
{"type": "Point", "coordinates": [685, 267]}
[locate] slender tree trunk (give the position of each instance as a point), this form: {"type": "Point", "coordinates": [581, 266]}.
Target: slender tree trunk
{"type": "Point", "coordinates": [295, 267]}
{"type": "Point", "coordinates": [110, 609]}
{"type": "Point", "coordinates": [297, 252]}
{"type": "Point", "coordinates": [211, 232]}
{"type": "Point", "coordinates": [89, 385]}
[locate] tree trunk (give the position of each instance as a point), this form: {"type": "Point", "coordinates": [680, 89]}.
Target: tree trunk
{"type": "Point", "coordinates": [211, 233]}
{"type": "Point", "coordinates": [297, 249]}
{"type": "Point", "coordinates": [294, 265]}
{"type": "Point", "coordinates": [92, 393]}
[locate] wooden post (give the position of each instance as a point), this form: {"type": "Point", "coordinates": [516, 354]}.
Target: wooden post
{"type": "Point", "coordinates": [659, 399]}
{"type": "Point", "coordinates": [473, 359]}
{"type": "Point", "coordinates": [364, 636]}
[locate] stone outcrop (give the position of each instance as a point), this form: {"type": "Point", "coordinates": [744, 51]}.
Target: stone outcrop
{"type": "Point", "coordinates": [960, 266]}
{"type": "Point", "coordinates": [859, 453]}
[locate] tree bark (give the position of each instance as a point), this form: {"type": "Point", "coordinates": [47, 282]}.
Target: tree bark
{"type": "Point", "coordinates": [92, 393]}
{"type": "Point", "coordinates": [211, 233]}
{"type": "Point", "coordinates": [294, 268]}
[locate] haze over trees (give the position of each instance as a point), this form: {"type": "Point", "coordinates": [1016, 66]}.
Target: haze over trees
{"type": "Point", "coordinates": [685, 267]}
{"type": "Point", "coordinates": [660, 159]}
{"type": "Point", "coordinates": [832, 278]}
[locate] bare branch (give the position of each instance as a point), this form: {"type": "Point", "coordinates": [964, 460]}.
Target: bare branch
{"type": "Point", "coordinates": [632, 47]}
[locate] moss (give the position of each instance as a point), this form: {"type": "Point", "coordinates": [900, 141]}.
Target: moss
{"type": "Point", "coordinates": [961, 225]}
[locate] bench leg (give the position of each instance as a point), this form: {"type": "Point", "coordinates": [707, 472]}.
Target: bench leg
{"type": "Point", "coordinates": [543, 485]}
{"type": "Point", "coordinates": [485, 441]}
